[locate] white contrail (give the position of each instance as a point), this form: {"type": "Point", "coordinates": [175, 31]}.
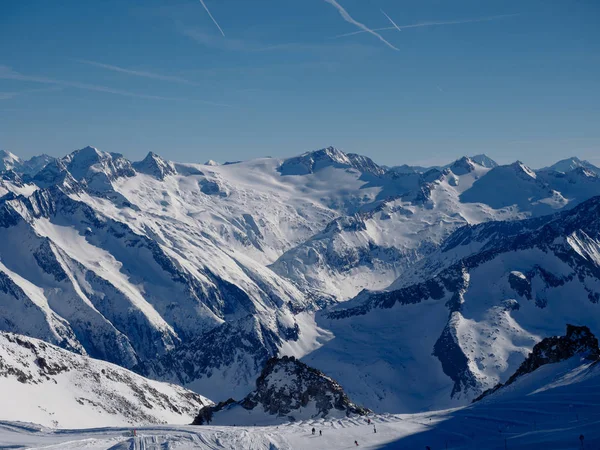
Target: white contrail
{"type": "Point", "coordinates": [431, 24]}
{"type": "Point", "coordinates": [390, 19]}
{"type": "Point", "coordinates": [211, 16]}
{"type": "Point", "coordinates": [348, 18]}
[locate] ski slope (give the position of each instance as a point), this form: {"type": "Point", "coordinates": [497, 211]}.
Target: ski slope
{"type": "Point", "coordinates": [549, 408]}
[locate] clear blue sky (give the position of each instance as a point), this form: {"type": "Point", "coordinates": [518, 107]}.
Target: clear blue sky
{"type": "Point", "coordinates": [516, 79]}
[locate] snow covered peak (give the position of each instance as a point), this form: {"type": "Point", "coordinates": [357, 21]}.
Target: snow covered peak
{"type": "Point", "coordinates": [573, 163]}
{"type": "Point", "coordinates": [55, 173]}
{"type": "Point", "coordinates": [211, 162]}
{"type": "Point", "coordinates": [311, 162]}
{"type": "Point", "coordinates": [484, 161]}
{"type": "Point", "coordinates": [36, 163]}
{"type": "Point", "coordinates": [97, 168]}
{"type": "Point", "coordinates": [81, 161]}
{"type": "Point", "coordinates": [462, 166]}
{"type": "Point", "coordinates": [522, 170]}
{"type": "Point", "coordinates": [9, 161]}
{"type": "Point", "coordinates": [155, 166]}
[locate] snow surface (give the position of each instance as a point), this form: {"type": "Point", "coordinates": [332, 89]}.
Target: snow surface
{"type": "Point", "coordinates": [549, 408]}
{"type": "Point", "coordinates": [44, 384]}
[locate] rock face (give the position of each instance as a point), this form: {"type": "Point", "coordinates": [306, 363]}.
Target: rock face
{"type": "Point", "coordinates": [288, 389]}
{"type": "Point", "coordinates": [155, 166]}
{"type": "Point", "coordinates": [578, 340]}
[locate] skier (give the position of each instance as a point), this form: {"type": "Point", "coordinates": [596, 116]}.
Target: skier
{"type": "Point", "coordinates": [356, 443]}
{"type": "Point", "coordinates": [374, 429]}
{"type": "Point", "coordinates": [369, 421]}
{"type": "Point", "coordinates": [313, 431]}
{"type": "Point", "coordinates": [320, 433]}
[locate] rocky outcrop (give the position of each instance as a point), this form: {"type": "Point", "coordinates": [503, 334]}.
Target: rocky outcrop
{"type": "Point", "coordinates": [578, 340]}
{"type": "Point", "coordinates": [155, 166]}
{"type": "Point", "coordinates": [285, 387]}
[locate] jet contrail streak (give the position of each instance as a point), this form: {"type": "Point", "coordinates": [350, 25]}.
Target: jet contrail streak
{"type": "Point", "coordinates": [348, 18]}
{"type": "Point", "coordinates": [211, 16]}
{"type": "Point", "coordinates": [431, 24]}
{"type": "Point", "coordinates": [390, 19]}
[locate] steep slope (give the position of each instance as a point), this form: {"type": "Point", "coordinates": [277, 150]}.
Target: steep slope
{"type": "Point", "coordinates": [9, 161]}
{"type": "Point", "coordinates": [286, 390]}
{"type": "Point", "coordinates": [44, 384]}
{"type": "Point", "coordinates": [465, 317]}
{"type": "Point", "coordinates": [578, 343]}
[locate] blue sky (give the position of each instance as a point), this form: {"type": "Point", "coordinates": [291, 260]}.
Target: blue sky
{"type": "Point", "coordinates": [513, 79]}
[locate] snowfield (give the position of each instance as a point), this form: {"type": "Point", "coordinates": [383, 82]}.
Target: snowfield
{"type": "Point", "coordinates": [549, 409]}
{"type": "Point", "coordinates": [42, 383]}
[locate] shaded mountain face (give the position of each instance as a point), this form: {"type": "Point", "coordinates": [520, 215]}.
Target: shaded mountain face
{"type": "Point", "coordinates": [286, 390]}
{"type": "Point", "coordinates": [466, 316]}
{"type": "Point", "coordinates": [198, 274]}
{"type": "Point", "coordinates": [578, 341]}
{"type": "Point", "coordinates": [44, 384]}
{"type": "Point", "coordinates": [155, 166]}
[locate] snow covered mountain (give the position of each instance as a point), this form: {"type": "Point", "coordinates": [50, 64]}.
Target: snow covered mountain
{"type": "Point", "coordinates": [198, 274]}
{"type": "Point", "coordinates": [372, 248]}
{"type": "Point", "coordinates": [571, 164]}
{"type": "Point", "coordinates": [465, 317]}
{"type": "Point", "coordinates": [9, 161]}
{"type": "Point", "coordinates": [42, 383]}
{"type": "Point", "coordinates": [286, 390]}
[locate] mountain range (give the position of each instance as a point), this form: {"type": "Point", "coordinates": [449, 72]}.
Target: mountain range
{"type": "Point", "coordinates": [415, 288]}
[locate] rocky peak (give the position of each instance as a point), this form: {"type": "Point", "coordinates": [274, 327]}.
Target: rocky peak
{"type": "Point", "coordinates": [311, 162]}
{"type": "Point", "coordinates": [289, 389]}
{"type": "Point", "coordinates": [578, 341]}
{"type": "Point", "coordinates": [89, 162]}
{"type": "Point", "coordinates": [462, 166]}
{"type": "Point", "coordinates": [155, 166]}
{"type": "Point", "coordinates": [55, 173]}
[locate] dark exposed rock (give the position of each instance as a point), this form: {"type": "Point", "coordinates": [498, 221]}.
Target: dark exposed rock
{"type": "Point", "coordinates": [579, 340]}
{"type": "Point", "coordinates": [155, 166]}
{"type": "Point", "coordinates": [286, 385]}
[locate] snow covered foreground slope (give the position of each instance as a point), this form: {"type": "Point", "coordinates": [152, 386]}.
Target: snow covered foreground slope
{"type": "Point", "coordinates": [42, 383]}
{"type": "Point", "coordinates": [549, 408]}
